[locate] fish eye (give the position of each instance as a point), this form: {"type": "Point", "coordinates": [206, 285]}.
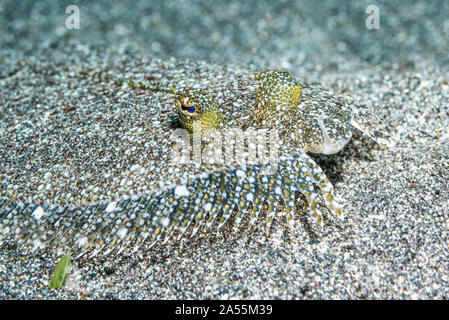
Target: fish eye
{"type": "Point", "coordinates": [191, 109]}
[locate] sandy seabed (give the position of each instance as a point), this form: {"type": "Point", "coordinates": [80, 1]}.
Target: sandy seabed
{"type": "Point", "coordinates": [394, 242]}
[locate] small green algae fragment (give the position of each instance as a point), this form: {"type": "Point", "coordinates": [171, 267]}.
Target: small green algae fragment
{"type": "Point", "coordinates": [61, 273]}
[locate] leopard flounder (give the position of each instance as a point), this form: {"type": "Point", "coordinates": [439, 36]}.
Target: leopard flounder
{"type": "Point", "coordinates": [184, 191]}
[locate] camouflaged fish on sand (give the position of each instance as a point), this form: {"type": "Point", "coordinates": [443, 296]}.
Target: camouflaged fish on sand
{"type": "Point", "coordinates": [157, 195]}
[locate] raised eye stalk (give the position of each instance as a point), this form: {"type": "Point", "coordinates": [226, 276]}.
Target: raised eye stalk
{"type": "Point", "coordinates": [197, 109]}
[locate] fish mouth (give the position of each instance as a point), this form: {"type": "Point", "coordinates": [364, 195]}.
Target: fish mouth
{"type": "Point", "coordinates": [333, 148]}
{"type": "Point", "coordinates": [330, 146]}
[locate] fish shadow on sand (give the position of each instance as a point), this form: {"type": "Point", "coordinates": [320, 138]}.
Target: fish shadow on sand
{"type": "Point", "coordinates": [358, 148]}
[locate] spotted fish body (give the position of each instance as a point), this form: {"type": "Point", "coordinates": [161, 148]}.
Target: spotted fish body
{"type": "Point", "coordinates": [277, 96]}
{"type": "Point", "coordinates": [190, 195]}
